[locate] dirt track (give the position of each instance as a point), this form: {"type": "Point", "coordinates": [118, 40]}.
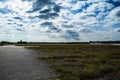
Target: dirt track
{"type": "Point", "coordinates": [19, 63]}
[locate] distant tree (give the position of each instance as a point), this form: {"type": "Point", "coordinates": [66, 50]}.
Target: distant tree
{"type": "Point", "coordinates": [21, 42]}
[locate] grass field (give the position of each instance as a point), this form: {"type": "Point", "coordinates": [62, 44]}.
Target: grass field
{"type": "Point", "coordinates": [83, 62]}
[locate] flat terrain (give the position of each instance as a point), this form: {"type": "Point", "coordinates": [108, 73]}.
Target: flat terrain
{"type": "Point", "coordinates": [19, 63]}
{"type": "Point", "coordinates": [83, 62]}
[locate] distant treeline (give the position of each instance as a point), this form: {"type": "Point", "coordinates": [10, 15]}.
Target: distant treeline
{"type": "Point", "coordinates": [90, 42]}
{"type": "Point", "coordinates": [105, 42]}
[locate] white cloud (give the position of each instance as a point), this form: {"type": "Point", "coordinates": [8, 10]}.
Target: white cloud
{"type": "Point", "coordinates": [18, 6]}
{"type": "Point", "coordinates": [112, 18]}
{"type": "Point", "coordinates": [113, 13]}
{"type": "Point", "coordinates": [75, 21]}
{"type": "Point", "coordinates": [100, 7]}
{"type": "Point", "coordinates": [2, 5]}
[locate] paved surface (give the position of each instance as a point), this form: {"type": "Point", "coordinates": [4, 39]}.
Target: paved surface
{"type": "Point", "coordinates": [18, 63]}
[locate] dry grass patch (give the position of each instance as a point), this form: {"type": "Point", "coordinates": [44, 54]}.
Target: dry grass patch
{"type": "Point", "coordinates": [83, 62]}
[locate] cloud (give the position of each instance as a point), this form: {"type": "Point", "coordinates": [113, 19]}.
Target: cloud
{"type": "Point", "coordinates": [19, 18]}
{"type": "Point", "coordinates": [67, 26]}
{"type": "Point", "coordinates": [116, 3]}
{"type": "Point", "coordinates": [53, 29]}
{"type": "Point", "coordinates": [46, 9]}
{"type": "Point", "coordinates": [86, 30]}
{"type": "Point", "coordinates": [39, 5]}
{"type": "Point", "coordinates": [19, 29]}
{"type": "Point", "coordinates": [48, 16]}
{"type": "Point", "coordinates": [118, 13]}
{"type": "Point", "coordinates": [70, 34]}
{"type": "Point", "coordinates": [100, 7]}
{"type": "Point", "coordinates": [60, 20]}
{"type": "Point", "coordinates": [112, 20]}
{"type": "Point", "coordinates": [118, 30]}
{"type": "Point", "coordinates": [47, 24]}
{"type": "Point", "coordinates": [57, 8]}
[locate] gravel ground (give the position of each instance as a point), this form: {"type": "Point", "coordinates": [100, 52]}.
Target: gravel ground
{"type": "Point", "coordinates": [19, 63]}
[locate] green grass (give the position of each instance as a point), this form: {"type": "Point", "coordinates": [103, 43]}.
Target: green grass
{"type": "Point", "coordinates": [83, 62]}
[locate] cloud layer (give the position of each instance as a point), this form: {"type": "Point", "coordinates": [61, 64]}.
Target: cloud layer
{"type": "Point", "coordinates": [59, 20]}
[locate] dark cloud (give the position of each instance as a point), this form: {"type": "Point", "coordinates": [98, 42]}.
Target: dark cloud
{"type": "Point", "coordinates": [9, 23]}
{"type": "Point", "coordinates": [31, 17]}
{"type": "Point", "coordinates": [43, 16]}
{"type": "Point", "coordinates": [116, 3]}
{"type": "Point", "coordinates": [118, 30]}
{"type": "Point", "coordinates": [20, 24]}
{"type": "Point", "coordinates": [89, 16]}
{"type": "Point", "coordinates": [19, 18]}
{"type": "Point", "coordinates": [45, 11]}
{"type": "Point", "coordinates": [118, 13]}
{"type": "Point", "coordinates": [39, 4]}
{"type": "Point", "coordinates": [46, 8]}
{"type": "Point", "coordinates": [19, 29]}
{"type": "Point", "coordinates": [17, 24]}
{"type": "Point", "coordinates": [9, 19]}
{"type": "Point", "coordinates": [70, 34]}
{"type": "Point", "coordinates": [47, 24]}
{"type": "Point", "coordinates": [7, 32]}
{"type": "Point", "coordinates": [56, 8]}
{"type": "Point", "coordinates": [55, 29]}
{"type": "Point", "coordinates": [51, 27]}
{"type": "Point", "coordinates": [67, 26]}
{"type": "Point", "coordinates": [116, 25]}
{"type": "Point", "coordinates": [86, 31]}
{"type": "Point", "coordinates": [53, 14]}
{"type": "Point", "coordinates": [48, 16]}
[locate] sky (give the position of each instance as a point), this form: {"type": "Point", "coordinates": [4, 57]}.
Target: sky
{"type": "Point", "coordinates": [59, 20]}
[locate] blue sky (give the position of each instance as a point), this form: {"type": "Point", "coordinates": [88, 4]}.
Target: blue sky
{"type": "Point", "coordinates": [59, 20]}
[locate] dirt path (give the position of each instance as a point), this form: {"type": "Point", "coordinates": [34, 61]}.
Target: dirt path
{"type": "Point", "coordinates": [18, 63]}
